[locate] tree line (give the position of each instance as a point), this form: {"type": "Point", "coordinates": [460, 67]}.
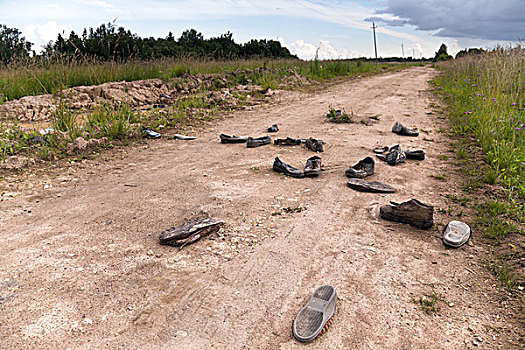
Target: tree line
{"type": "Point", "coordinates": [111, 43]}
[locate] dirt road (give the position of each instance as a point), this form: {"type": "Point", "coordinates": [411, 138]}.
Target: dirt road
{"type": "Point", "coordinates": [81, 267]}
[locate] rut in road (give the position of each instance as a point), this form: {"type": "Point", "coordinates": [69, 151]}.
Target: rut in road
{"type": "Point", "coordinates": [90, 273]}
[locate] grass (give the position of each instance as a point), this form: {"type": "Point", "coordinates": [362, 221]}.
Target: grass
{"type": "Point", "coordinates": [290, 210]}
{"type": "Point", "coordinates": [119, 123]}
{"type": "Point", "coordinates": [40, 77]}
{"type": "Point", "coordinates": [338, 116]}
{"type": "Point", "coordinates": [429, 303]}
{"type": "Point", "coordinates": [486, 97]}
{"type": "Point", "coordinates": [504, 273]}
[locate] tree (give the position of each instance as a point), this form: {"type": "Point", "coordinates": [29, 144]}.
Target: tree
{"type": "Point", "coordinates": [442, 54]}
{"type": "Point", "coordinates": [12, 44]}
{"type": "Point", "coordinates": [470, 52]}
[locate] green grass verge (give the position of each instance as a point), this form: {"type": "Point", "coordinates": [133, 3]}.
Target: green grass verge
{"type": "Point", "coordinates": [40, 78]}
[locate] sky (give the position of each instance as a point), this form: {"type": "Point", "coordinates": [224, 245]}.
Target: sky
{"type": "Point", "coordinates": [332, 28]}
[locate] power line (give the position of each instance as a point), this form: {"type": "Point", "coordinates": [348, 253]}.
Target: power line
{"type": "Point", "coordinates": [375, 43]}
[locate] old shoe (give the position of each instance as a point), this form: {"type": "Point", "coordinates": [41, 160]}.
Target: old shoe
{"type": "Point", "coordinates": [400, 129]}
{"type": "Point", "coordinates": [412, 212]}
{"type": "Point", "coordinates": [364, 168]}
{"type": "Point", "coordinates": [258, 141]}
{"type": "Point", "coordinates": [313, 166]}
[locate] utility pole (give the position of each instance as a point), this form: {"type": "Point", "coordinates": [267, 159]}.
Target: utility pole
{"type": "Point", "coordinates": [402, 50]}
{"type": "Point", "coordinates": [374, 30]}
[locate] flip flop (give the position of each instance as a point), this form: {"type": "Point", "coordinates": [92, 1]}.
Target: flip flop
{"type": "Point", "coordinates": [315, 317]}
{"type": "Point", "coordinates": [183, 137]}
{"type": "Point", "coordinates": [456, 234]}
{"type": "Point", "coordinates": [380, 149]}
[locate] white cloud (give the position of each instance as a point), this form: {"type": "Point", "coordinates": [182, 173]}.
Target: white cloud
{"type": "Point", "coordinates": [324, 51]}
{"type": "Point", "coordinates": [44, 33]}
{"type": "Point", "coordinates": [98, 3]}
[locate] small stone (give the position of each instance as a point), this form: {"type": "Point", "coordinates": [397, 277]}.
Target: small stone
{"type": "Point", "coordinates": [87, 321]}
{"type": "Point", "coordinates": [479, 339]}
{"type": "Point", "coordinates": [451, 304]}
{"type": "Point", "coordinates": [521, 287]}
{"type": "Point", "coordinates": [475, 343]}
{"type": "Point", "coordinates": [181, 334]}
{"type": "Point", "coordinates": [150, 252]}
{"type": "Point", "coordinates": [470, 328]}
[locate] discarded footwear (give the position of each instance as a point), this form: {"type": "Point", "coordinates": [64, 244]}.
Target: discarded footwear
{"type": "Point", "coordinates": [395, 155]}
{"type": "Point", "coordinates": [456, 234]}
{"type": "Point", "coordinates": [287, 142]}
{"type": "Point", "coordinates": [232, 139]}
{"type": "Point", "coordinates": [417, 154]}
{"type": "Point", "coordinates": [150, 133]}
{"type": "Point", "coordinates": [412, 212]}
{"type": "Point", "coordinates": [315, 317]}
{"type": "Point", "coordinates": [313, 166]}
{"type": "Point", "coordinates": [380, 149]}
{"type": "Point", "coordinates": [400, 129]}
{"type": "Point", "coordinates": [182, 137]}
{"type": "Point", "coordinates": [189, 232]}
{"type": "Point", "coordinates": [314, 145]}
{"type": "Point", "coordinates": [364, 168]}
{"type": "Point", "coordinates": [273, 128]}
{"type": "Point", "coordinates": [286, 169]}
{"type": "Point", "coordinates": [258, 141]}
{"type": "Point", "coordinates": [372, 186]}
{"type": "Point", "coordinates": [381, 157]}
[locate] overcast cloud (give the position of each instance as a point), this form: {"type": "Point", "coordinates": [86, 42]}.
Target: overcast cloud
{"type": "Point", "coordinates": [480, 19]}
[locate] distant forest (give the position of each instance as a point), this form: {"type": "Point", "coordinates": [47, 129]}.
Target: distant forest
{"type": "Point", "coordinates": [111, 43]}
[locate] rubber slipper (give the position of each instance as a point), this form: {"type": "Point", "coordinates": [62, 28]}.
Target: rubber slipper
{"type": "Point", "coordinates": [456, 234]}
{"type": "Point", "coordinates": [315, 317]}
{"type": "Point", "coordinates": [380, 149]}
{"type": "Point", "coordinates": [381, 157]}
{"type": "Point", "coordinates": [183, 137]}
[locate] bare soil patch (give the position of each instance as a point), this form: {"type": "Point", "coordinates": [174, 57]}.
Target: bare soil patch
{"type": "Point", "coordinates": [81, 266]}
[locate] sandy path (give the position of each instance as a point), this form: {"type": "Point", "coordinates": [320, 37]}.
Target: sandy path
{"type": "Point", "coordinates": [84, 268]}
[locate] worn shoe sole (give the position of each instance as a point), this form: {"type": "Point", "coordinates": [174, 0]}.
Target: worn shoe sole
{"type": "Point", "coordinates": [424, 225]}
{"type": "Point", "coordinates": [189, 232]}
{"type": "Point", "coordinates": [372, 186]}
{"type": "Point", "coordinates": [315, 317]}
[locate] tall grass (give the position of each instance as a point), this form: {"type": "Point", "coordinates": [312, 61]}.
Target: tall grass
{"type": "Point", "coordinates": [40, 77]}
{"type": "Point", "coordinates": [486, 94]}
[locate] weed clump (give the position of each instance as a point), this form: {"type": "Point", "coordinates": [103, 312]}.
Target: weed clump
{"type": "Point", "coordinates": [338, 116]}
